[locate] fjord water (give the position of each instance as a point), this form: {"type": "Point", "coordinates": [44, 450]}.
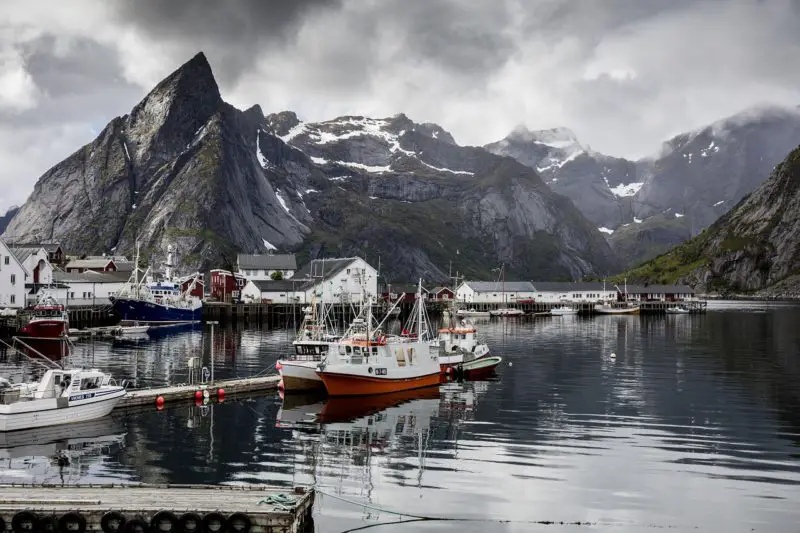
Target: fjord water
{"type": "Point", "coordinates": [693, 424]}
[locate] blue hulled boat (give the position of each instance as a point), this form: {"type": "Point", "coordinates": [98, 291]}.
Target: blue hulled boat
{"type": "Point", "coordinates": [147, 300]}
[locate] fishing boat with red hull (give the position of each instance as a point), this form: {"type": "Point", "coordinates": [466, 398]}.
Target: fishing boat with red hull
{"type": "Point", "coordinates": [49, 320]}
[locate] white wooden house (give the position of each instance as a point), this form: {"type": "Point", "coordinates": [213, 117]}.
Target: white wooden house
{"type": "Point", "coordinates": [324, 280]}
{"type": "Point", "coordinates": [90, 287]}
{"type": "Point", "coordinates": [36, 262]}
{"type": "Point", "coordinates": [577, 292]}
{"type": "Point", "coordinates": [12, 279]}
{"type": "Point", "coordinates": [264, 266]}
{"type": "Point", "coordinates": [495, 292]}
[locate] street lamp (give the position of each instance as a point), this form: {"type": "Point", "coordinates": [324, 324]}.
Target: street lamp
{"type": "Point", "coordinates": [212, 323]}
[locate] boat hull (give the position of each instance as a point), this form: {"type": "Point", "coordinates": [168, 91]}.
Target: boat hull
{"type": "Point", "coordinates": [48, 413]}
{"type": "Point", "coordinates": [143, 311]}
{"type": "Point", "coordinates": [353, 385]}
{"type": "Point", "coordinates": [44, 329]}
{"type": "Point", "coordinates": [300, 376]}
{"type": "Point", "coordinates": [618, 311]}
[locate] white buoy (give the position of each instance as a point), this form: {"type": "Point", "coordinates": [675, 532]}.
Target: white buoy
{"type": "Point", "coordinates": [613, 355]}
{"type": "Point", "coordinates": [510, 363]}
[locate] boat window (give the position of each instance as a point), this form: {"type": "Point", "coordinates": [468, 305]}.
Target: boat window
{"type": "Point", "coordinates": [348, 349]}
{"type": "Point", "coordinates": [375, 350]}
{"type": "Point", "coordinates": [341, 350]}
{"type": "Point", "coordinates": [357, 350]}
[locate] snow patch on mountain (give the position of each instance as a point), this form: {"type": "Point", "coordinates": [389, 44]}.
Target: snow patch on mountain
{"type": "Point", "coordinates": [625, 189]}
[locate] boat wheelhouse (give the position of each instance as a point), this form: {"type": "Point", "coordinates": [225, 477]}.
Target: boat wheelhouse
{"type": "Point", "coordinates": [49, 320]}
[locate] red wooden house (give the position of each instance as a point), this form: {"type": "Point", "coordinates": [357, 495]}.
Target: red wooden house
{"type": "Point", "coordinates": [199, 287]}
{"type": "Point", "coordinates": [441, 294]}
{"type": "Point", "coordinates": [226, 286]}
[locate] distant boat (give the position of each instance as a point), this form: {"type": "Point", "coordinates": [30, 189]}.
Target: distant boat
{"type": "Point", "coordinates": [678, 310]}
{"type": "Point", "coordinates": [606, 309]}
{"type": "Point", "coordinates": [563, 310]}
{"type": "Point", "coordinates": [472, 312]}
{"type": "Point", "coordinates": [147, 300]}
{"type": "Point", "coordinates": [507, 311]}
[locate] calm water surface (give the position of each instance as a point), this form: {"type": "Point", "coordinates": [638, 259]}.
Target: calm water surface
{"type": "Point", "coordinates": [694, 424]}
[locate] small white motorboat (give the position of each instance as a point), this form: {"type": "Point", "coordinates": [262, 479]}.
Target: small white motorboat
{"type": "Point", "coordinates": [133, 330]}
{"type": "Point", "coordinates": [606, 309]}
{"type": "Point", "coordinates": [563, 310]}
{"type": "Point", "coordinates": [507, 311]}
{"type": "Point", "coordinates": [678, 310]}
{"type": "Point", "coordinates": [62, 396]}
{"type": "Point", "coordinates": [472, 312]}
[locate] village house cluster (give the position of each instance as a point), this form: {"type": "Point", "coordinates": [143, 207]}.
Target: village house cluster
{"type": "Point", "coordinates": [26, 269]}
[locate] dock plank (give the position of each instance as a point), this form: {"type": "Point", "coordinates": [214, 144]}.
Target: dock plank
{"type": "Point", "coordinates": [231, 387]}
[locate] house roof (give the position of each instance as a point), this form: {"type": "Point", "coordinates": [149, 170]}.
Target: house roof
{"type": "Point", "coordinates": [266, 262]}
{"type": "Point", "coordinates": [324, 268]}
{"type": "Point", "coordinates": [89, 263]}
{"type": "Point", "coordinates": [90, 276]}
{"type": "Point", "coordinates": [568, 286]}
{"type": "Point", "coordinates": [49, 247]}
{"type": "Point", "coordinates": [499, 286]}
{"type": "Point", "coordinates": [24, 252]}
{"type": "Point", "coordinates": [658, 289]}
{"type": "Point", "coordinates": [286, 285]}
{"type": "Point", "coordinates": [437, 290]}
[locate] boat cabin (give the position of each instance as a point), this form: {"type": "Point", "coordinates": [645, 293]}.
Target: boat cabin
{"type": "Point", "coordinates": [57, 383]}
{"type": "Point", "coordinates": [461, 337]}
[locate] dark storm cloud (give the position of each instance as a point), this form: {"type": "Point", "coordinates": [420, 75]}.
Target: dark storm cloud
{"type": "Point", "coordinates": [234, 31]}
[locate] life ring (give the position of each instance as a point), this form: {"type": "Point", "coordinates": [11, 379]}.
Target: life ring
{"type": "Point", "coordinates": [24, 521]}
{"type": "Point", "coordinates": [112, 522]}
{"type": "Point", "coordinates": [72, 522]}
{"type": "Point", "coordinates": [239, 523]}
{"type": "Point", "coordinates": [163, 521]}
{"type": "Point", "coordinates": [190, 523]}
{"type": "Point", "coordinates": [48, 524]}
{"type": "Point", "coordinates": [137, 525]}
{"type": "Point", "coordinates": [214, 523]}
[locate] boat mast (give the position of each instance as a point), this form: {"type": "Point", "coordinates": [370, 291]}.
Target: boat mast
{"type": "Point", "coordinates": [420, 305]}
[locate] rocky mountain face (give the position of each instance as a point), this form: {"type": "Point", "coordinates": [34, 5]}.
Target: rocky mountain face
{"type": "Point", "coordinates": [5, 220]}
{"type": "Point", "coordinates": [754, 246]}
{"type": "Point", "coordinates": [646, 207]}
{"type": "Point", "coordinates": [187, 169]}
{"type": "Point", "coordinates": [408, 192]}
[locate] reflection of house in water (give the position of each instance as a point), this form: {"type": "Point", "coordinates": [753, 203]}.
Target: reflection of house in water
{"type": "Point", "coordinates": [58, 454]}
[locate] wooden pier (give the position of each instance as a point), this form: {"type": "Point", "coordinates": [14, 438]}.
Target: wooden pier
{"type": "Point", "coordinates": [162, 508]}
{"type": "Point", "coordinates": [187, 393]}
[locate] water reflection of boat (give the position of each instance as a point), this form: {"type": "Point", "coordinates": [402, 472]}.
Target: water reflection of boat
{"type": "Point", "coordinates": [348, 408]}
{"type": "Point", "coordinates": [64, 453]}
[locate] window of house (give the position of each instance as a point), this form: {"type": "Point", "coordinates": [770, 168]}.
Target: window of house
{"type": "Point", "coordinates": [13, 298]}
{"type": "Point", "coordinates": [7, 260]}
{"type": "Point", "coordinates": [13, 279]}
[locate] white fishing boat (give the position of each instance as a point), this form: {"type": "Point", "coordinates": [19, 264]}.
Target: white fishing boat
{"type": "Point", "coordinates": [62, 396]}
{"type": "Point", "coordinates": [457, 342]}
{"type": "Point", "coordinates": [366, 361]}
{"type": "Point", "coordinates": [563, 310]}
{"type": "Point", "coordinates": [133, 330]}
{"type": "Point", "coordinates": [298, 369]}
{"type": "Point", "coordinates": [608, 309]}
{"type": "Point", "coordinates": [678, 310]}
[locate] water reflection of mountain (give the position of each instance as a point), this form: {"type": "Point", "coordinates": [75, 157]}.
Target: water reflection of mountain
{"type": "Point", "coordinates": [60, 454]}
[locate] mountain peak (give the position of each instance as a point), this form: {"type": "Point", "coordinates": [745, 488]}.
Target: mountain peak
{"type": "Point", "coordinates": [554, 137]}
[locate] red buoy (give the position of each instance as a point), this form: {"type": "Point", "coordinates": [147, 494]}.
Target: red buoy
{"type": "Point", "coordinates": [198, 395]}
{"type": "Point", "coordinates": [280, 385]}
{"type": "Point", "coordinates": [160, 401]}
{"type": "Point", "coordinates": [278, 366]}
{"type": "Point", "coordinates": [220, 394]}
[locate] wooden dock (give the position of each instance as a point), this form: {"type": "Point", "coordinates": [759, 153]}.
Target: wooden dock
{"type": "Point", "coordinates": [186, 393]}
{"type": "Point", "coordinates": [163, 508]}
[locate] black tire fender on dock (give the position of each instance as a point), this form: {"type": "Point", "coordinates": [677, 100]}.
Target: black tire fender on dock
{"type": "Point", "coordinates": [137, 525]}
{"type": "Point", "coordinates": [214, 523]}
{"type": "Point", "coordinates": [239, 523]}
{"type": "Point", "coordinates": [48, 524]}
{"type": "Point", "coordinates": [190, 523]}
{"type": "Point", "coordinates": [71, 523]}
{"type": "Point", "coordinates": [163, 522]}
{"type": "Point", "coordinates": [2, 524]}
{"type": "Point", "coordinates": [24, 521]}
{"type": "Point", "coordinates": [112, 522]}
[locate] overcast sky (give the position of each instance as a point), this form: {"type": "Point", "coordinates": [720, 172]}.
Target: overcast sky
{"type": "Point", "coordinates": [623, 74]}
